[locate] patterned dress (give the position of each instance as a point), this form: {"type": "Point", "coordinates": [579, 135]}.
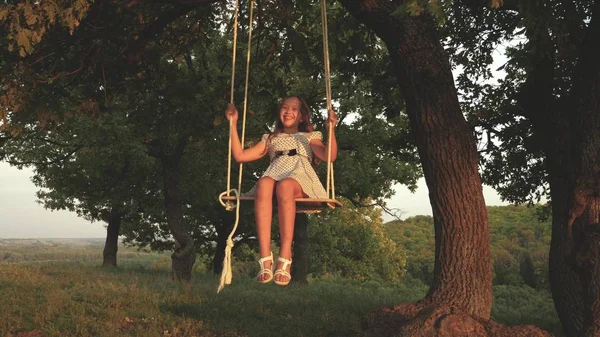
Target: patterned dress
{"type": "Point", "coordinates": [291, 157]}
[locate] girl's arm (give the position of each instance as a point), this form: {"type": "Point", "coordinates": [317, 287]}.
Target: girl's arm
{"type": "Point", "coordinates": [240, 155]}
{"type": "Point", "coordinates": [319, 149]}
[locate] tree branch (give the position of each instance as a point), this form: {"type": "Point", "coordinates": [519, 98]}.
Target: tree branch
{"type": "Point", "coordinates": [133, 3]}
{"type": "Point", "coordinates": [136, 48]}
{"type": "Point", "coordinates": [44, 163]}
{"type": "Point", "coordinates": [512, 5]}
{"type": "Point", "coordinates": [394, 212]}
{"type": "Point", "coordinates": [374, 13]}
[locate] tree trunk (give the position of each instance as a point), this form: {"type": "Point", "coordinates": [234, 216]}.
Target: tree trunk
{"type": "Point", "coordinates": [569, 126]}
{"type": "Point", "coordinates": [300, 250]}
{"type": "Point", "coordinates": [459, 300]}
{"type": "Point", "coordinates": [448, 155]}
{"type": "Point", "coordinates": [587, 261]}
{"type": "Point", "coordinates": [220, 253]}
{"type": "Point", "coordinates": [184, 255]}
{"type": "Point", "coordinates": [112, 241]}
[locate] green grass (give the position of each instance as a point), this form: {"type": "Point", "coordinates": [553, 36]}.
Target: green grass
{"type": "Point", "coordinates": [73, 298]}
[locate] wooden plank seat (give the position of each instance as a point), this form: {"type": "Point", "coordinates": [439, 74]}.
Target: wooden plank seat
{"type": "Point", "coordinates": [302, 204]}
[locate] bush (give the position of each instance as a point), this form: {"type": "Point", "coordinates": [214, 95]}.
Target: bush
{"type": "Point", "coordinates": [350, 242]}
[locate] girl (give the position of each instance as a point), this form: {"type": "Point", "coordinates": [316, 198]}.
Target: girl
{"type": "Point", "coordinates": [291, 148]}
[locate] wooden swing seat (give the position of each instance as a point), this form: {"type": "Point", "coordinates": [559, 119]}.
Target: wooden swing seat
{"type": "Point", "coordinates": [302, 204]}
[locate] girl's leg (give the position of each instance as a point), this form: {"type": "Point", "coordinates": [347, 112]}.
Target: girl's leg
{"type": "Point", "coordinates": [287, 191]}
{"type": "Point", "coordinates": [263, 214]}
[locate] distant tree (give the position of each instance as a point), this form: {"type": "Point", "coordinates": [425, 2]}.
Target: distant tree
{"type": "Point", "coordinates": [350, 242]}
{"type": "Point", "coordinates": [95, 168]}
{"type": "Point", "coordinates": [517, 260]}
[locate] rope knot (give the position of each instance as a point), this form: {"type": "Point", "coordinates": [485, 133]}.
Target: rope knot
{"type": "Point", "coordinates": [230, 243]}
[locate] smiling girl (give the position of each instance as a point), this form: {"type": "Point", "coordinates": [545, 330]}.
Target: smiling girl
{"type": "Point", "coordinates": [292, 147]}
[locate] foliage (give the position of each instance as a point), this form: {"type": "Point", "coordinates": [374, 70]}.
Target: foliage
{"type": "Point", "coordinates": [94, 167]}
{"type": "Point", "coordinates": [350, 242]}
{"type": "Point", "coordinates": [162, 79]}
{"type": "Point", "coordinates": [520, 245]}
{"type": "Point", "coordinates": [523, 305]}
{"type": "Point", "coordinates": [26, 23]}
{"type": "Point", "coordinates": [493, 99]}
{"type": "Point", "coordinates": [415, 236]}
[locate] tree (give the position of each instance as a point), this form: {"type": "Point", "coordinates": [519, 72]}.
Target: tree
{"type": "Point", "coordinates": [540, 124]}
{"type": "Point", "coordinates": [350, 242]}
{"type": "Point", "coordinates": [92, 167]}
{"type": "Point", "coordinates": [38, 88]}
{"type": "Point", "coordinates": [161, 114]}
{"type": "Point", "coordinates": [449, 159]}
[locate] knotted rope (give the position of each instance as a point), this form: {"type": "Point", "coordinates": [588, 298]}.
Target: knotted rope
{"type": "Point", "coordinates": [226, 274]}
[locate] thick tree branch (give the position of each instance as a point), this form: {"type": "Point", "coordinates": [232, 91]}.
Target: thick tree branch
{"type": "Point", "coordinates": [137, 46]}
{"type": "Point", "coordinates": [394, 212]}
{"type": "Point", "coordinates": [133, 3]}
{"type": "Point", "coordinates": [573, 21]}
{"type": "Point", "coordinates": [538, 87]}
{"type": "Point", "coordinates": [512, 5]}
{"type": "Point", "coordinates": [592, 35]}
{"type": "Point", "coordinates": [375, 14]}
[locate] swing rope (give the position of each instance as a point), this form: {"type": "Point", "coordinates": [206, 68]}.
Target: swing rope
{"type": "Point", "coordinates": [233, 57]}
{"type": "Point", "coordinates": [327, 71]}
{"type": "Point", "coordinates": [226, 274]}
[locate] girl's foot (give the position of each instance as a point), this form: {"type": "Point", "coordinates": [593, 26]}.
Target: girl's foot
{"type": "Point", "coordinates": [282, 274]}
{"type": "Point", "coordinates": [265, 275]}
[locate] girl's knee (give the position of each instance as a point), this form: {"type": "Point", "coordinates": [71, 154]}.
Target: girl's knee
{"type": "Point", "coordinates": [287, 189]}
{"type": "Point", "coordinates": [264, 187]}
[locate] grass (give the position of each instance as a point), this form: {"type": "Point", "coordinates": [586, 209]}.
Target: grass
{"type": "Point", "coordinates": [75, 297]}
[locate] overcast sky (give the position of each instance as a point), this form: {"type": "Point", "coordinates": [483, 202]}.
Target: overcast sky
{"type": "Point", "coordinates": [22, 217]}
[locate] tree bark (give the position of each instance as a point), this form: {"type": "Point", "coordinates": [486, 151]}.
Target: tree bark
{"type": "Point", "coordinates": [569, 126]}
{"type": "Point", "coordinates": [112, 241]}
{"type": "Point", "coordinates": [219, 253]}
{"type": "Point", "coordinates": [299, 269]}
{"type": "Point", "coordinates": [587, 261]}
{"type": "Point", "coordinates": [184, 255]}
{"type": "Point", "coordinates": [448, 155]}
{"type": "Point", "coordinates": [459, 300]}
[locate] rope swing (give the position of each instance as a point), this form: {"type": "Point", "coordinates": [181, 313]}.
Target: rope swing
{"type": "Point", "coordinates": [302, 204]}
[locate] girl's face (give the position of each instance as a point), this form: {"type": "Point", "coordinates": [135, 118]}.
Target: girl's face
{"type": "Point", "coordinates": [289, 113]}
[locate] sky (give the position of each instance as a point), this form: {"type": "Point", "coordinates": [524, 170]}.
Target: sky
{"type": "Point", "coordinates": [22, 217]}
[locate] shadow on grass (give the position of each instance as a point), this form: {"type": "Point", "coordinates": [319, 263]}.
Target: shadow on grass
{"type": "Point", "coordinates": [321, 308]}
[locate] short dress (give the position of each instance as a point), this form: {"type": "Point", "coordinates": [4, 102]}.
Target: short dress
{"type": "Point", "coordinates": [291, 157]}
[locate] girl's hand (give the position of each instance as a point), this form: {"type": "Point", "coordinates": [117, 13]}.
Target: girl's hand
{"type": "Point", "coordinates": [332, 118]}
{"type": "Point", "coordinates": [231, 113]}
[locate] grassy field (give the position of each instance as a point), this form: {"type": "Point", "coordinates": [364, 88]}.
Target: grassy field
{"type": "Point", "coordinates": [60, 291]}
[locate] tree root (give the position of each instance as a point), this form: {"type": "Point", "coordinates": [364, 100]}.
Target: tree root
{"type": "Point", "coordinates": [407, 320]}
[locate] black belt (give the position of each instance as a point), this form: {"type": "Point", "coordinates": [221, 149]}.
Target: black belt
{"type": "Point", "coordinates": [291, 152]}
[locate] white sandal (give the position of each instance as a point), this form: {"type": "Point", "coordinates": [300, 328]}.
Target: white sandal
{"type": "Point", "coordinates": [283, 271]}
{"type": "Point", "coordinates": [263, 270]}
